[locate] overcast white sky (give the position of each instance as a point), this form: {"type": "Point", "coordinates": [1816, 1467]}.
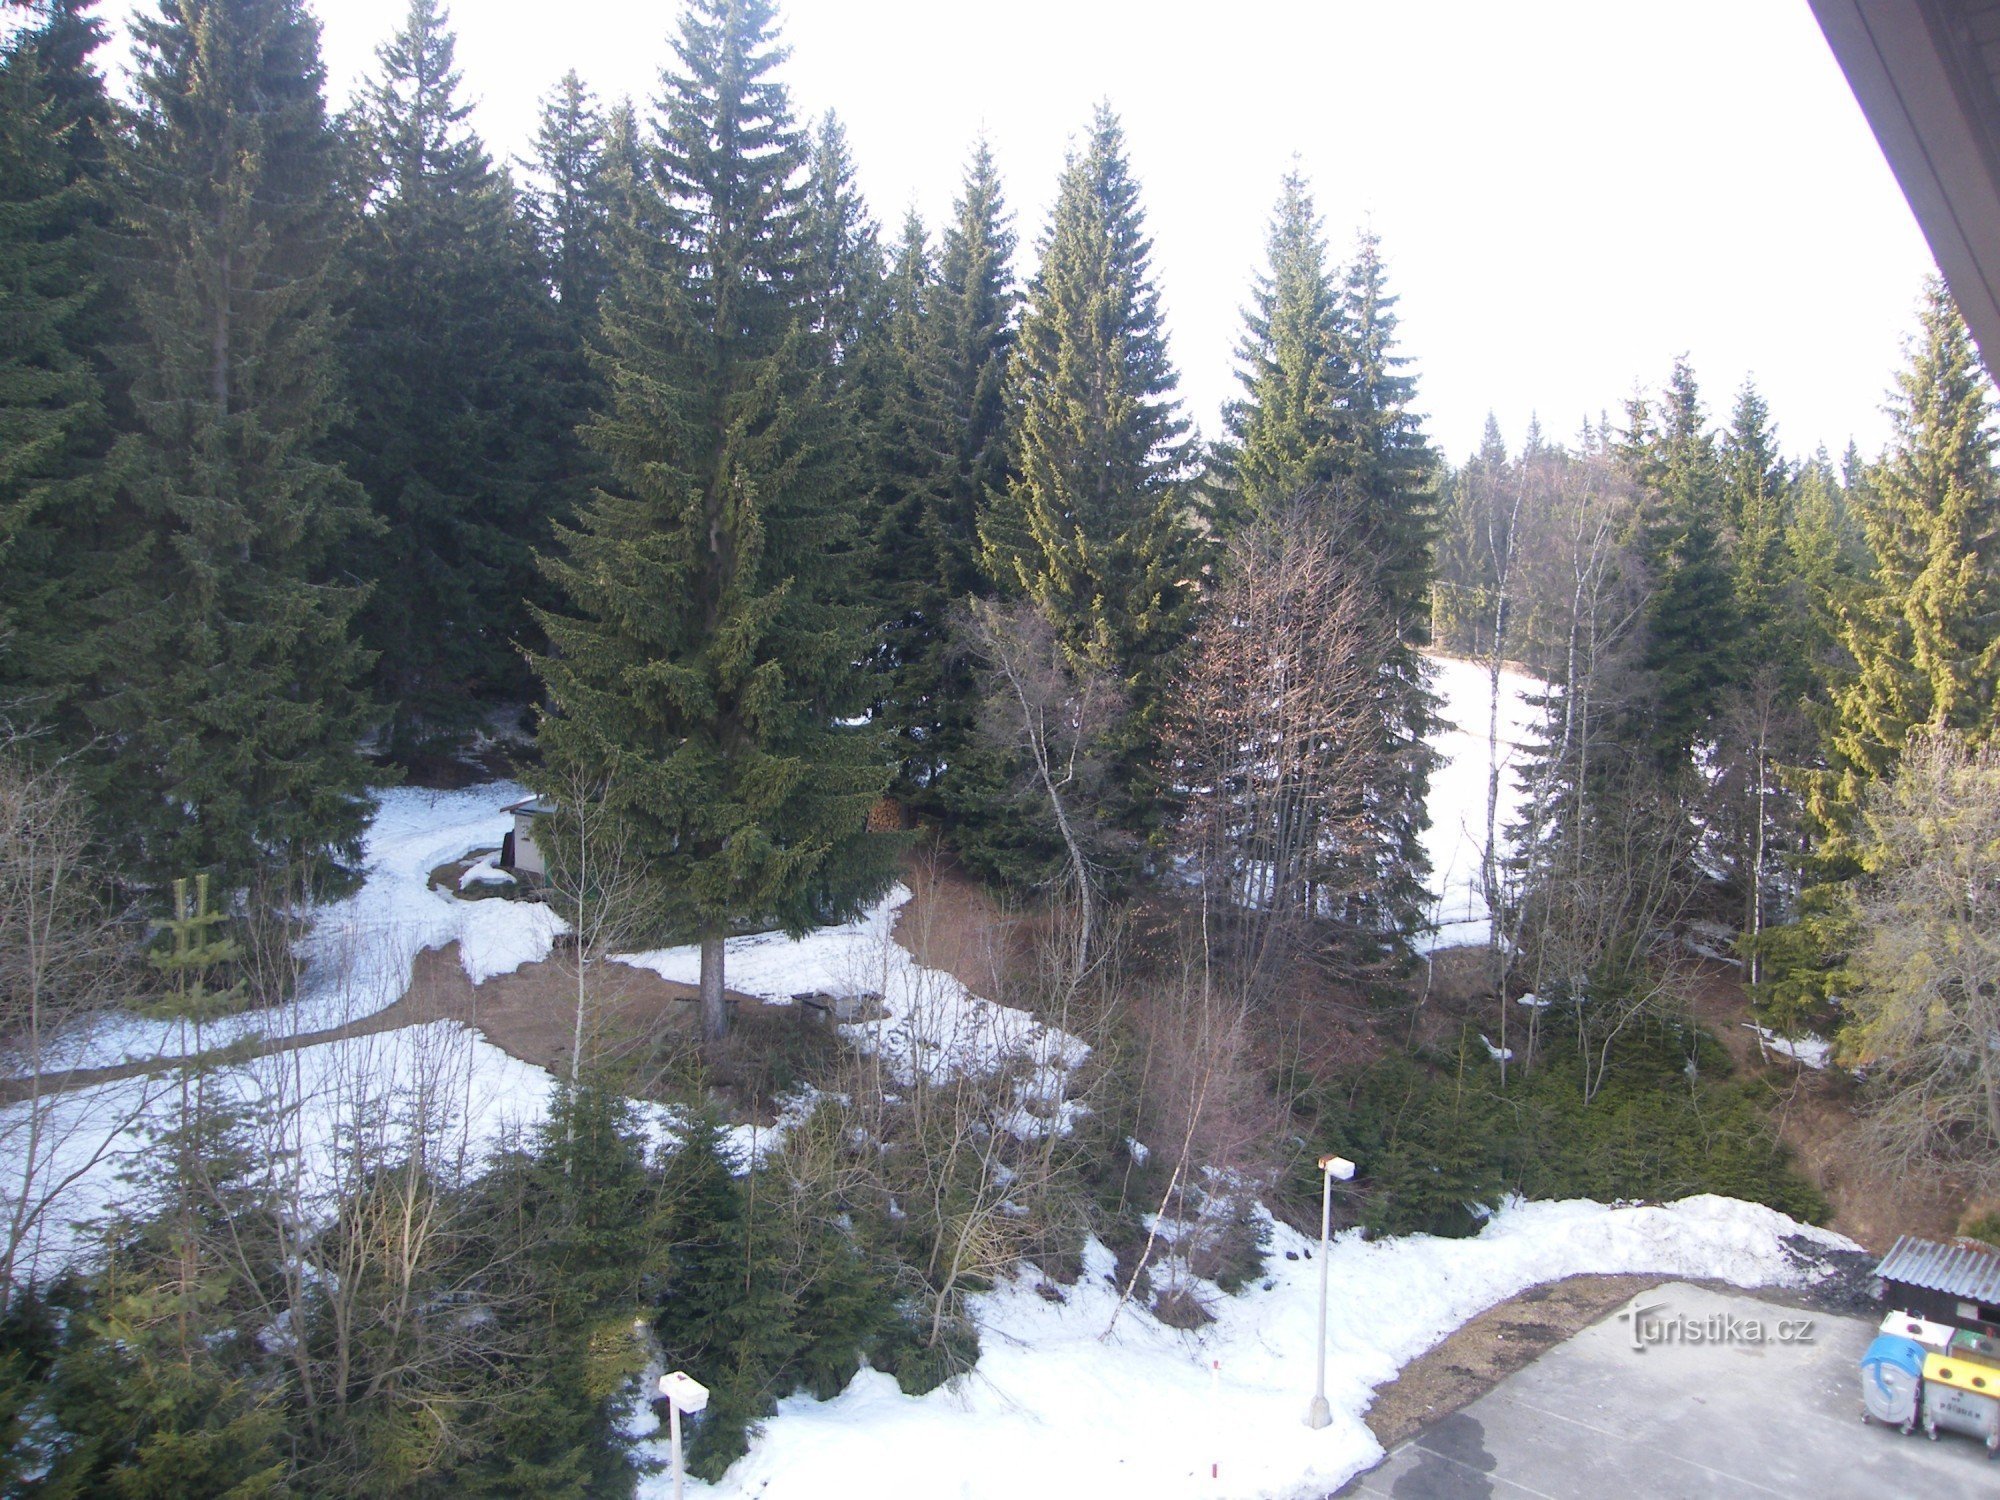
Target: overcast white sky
{"type": "Point", "coordinates": [1568, 194]}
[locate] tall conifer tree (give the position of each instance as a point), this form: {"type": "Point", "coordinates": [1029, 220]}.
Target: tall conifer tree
{"type": "Point", "coordinates": [1385, 477]}
{"type": "Point", "coordinates": [1924, 636]}
{"type": "Point", "coordinates": [1287, 436]}
{"type": "Point", "coordinates": [1387, 465]}
{"type": "Point", "coordinates": [843, 245]}
{"type": "Point", "coordinates": [1756, 486]}
{"type": "Point", "coordinates": [909, 462]}
{"type": "Point", "coordinates": [1692, 649]}
{"type": "Point", "coordinates": [972, 310]}
{"type": "Point", "coordinates": [568, 203]}
{"type": "Point", "coordinates": [236, 708]}
{"type": "Point", "coordinates": [53, 422]}
{"type": "Point", "coordinates": [708, 653]}
{"type": "Point", "coordinates": [1325, 426]}
{"type": "Point", "coordinates": [1092, 525]}
{"type": "Point", "coordinates": [451, 432]}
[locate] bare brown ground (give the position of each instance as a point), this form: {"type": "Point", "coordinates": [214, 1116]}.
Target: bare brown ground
{"type": "Point", "coordinates": [529, 1014]}
{"type": "Point", "coordinates": [951, 922]}
{"type": "Point", "coordinates": [1484, 1352]}
{"type": "Point", "coordinates": [1819, 1120]}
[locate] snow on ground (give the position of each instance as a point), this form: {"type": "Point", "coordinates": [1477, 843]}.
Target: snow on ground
{"type": "Point", "coordinates": [358, 959]}
{"type": "Point", "coordinates": [1053, 1403]}
{"type": "Point", "coordinates": [1053, 1407]}
{"type": "Point", "coordinates": [931, 1021]}
{"type": "Point", "coordinates": [475, 1096]}
{"type": "Point", "coordinates": [1808, 1050]}
{"type": "Point", "coordinates": [359, 951]}
{"type": "Point", "coordinates": [1456, 837]}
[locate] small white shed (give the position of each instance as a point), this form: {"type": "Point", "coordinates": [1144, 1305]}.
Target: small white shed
{"type": "Point", "coordinates": [519, 852]}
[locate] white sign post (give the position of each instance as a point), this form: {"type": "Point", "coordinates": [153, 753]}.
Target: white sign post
{"type": "Point", "coordinates": [1319, 1414]}
{"type": "Point", "coordinates": [684, 1394]}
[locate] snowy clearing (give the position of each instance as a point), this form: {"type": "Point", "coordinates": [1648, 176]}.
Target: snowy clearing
{"type": "Point", "coordinates": [933, 1023]}
{"type": "Point", "coordinates": [1456, 837]}
{"type": "Point", "coordinates": [358, 963]}
{"type": "Point", "coordinates": [1055, 1408]}
{"type": "Point", "coordinates": [359, 952]}
{"type": "Point", "coordinates": [475, 1097]}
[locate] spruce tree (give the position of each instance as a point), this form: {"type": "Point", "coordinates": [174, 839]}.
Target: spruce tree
{"type": "Point", "coordinates": [973, 308]}
{"type": "Point", "coordinates": [1756, 487]}
{"type": "Point", "coordinates": [1923, 635]}
{"type": "Point", "coordinates": [972, 322]}
{"type": "Point", "coordinates": [1324, 429]}
{"type": "Point", "coordinates": [1693, 647]}
{"type": "Point", "coordinates": [568, 204]}
{"type": "Point", "coordinates": [56, 312]}
{"type": "Point", "coordinates": [707, 654]}
{"type": "Point", "coordinates": [1292, 431]}
{"type": "Point", "coordinates": [1386, 465]}
{"type": "Point", "coordinates": [1092, 526]}
{"type": "Point", "coordinates": [1385, 488]}
{"type": "Point", "coordinates": [235, 709]}
{"type": "Point", "coordinates": [570, 208]}
{"type": "Point", "coordinates": [908, 460]}
{"type": "Point", "coordinates": [843, 247]}
{"type": "Point", "coordinates": [50, 400]}
{"type": "Point", "coordinates": [450, 430]}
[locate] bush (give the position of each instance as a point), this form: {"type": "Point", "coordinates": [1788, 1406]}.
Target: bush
{"type": "Point", "coordinates": [1437, 1141]}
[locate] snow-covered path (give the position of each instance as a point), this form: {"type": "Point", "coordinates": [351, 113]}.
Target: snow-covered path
{"type": "Point", "coordinates": [1456, 838]}
{"type": "Point", "coordinates": [359, 952]}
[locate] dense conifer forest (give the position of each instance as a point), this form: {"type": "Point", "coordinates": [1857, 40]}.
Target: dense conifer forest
{"type": "Point", "coordinates": [783, 553]}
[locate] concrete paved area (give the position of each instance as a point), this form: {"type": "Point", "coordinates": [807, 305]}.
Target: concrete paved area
{"type": "Point", "coordinates": [1688, 1416]}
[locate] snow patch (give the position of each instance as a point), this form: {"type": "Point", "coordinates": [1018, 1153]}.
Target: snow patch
{"type": "Point", "coordinates": [358, 953]}
{"type": "Point", "coordinates": [1456, 838]}
{"type": "Point", "coordinates": [930, 1023]}
{"type": "Point", "coordinates": [1055, 1407]}
{"type": "Point", "coordinates": [1808, 1051]}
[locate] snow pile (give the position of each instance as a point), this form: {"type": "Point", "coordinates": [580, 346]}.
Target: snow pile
{"type": "Point", "coordinates": [1808, 1051]}
{"type": "Point", "coordinates": [359, 951]}
{"type": "Point", "coordinates": [1455, 841]}
{"type": "Point", "coordinates": [1055, 1408]}
{"type": "Point", "coordinates": [929, 1021]}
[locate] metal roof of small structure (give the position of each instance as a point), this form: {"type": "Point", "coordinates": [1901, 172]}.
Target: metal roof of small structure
{"type": "Point", "coordinates": [534, 807]}
{"type": "Point", "coordinates": [1957, 1270]}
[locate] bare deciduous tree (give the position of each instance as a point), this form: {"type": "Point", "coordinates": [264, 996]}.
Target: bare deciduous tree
{"type": "Point", "coordinates": [63, 972]}
{"type": "Point", "coordinates": [1056, 713]}
{"type": "Point", "coordinates": [595, 882]}
{"type": "Point", "coordinates": [1276, 735]}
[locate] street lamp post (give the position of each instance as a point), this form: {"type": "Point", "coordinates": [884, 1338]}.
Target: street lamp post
{"type": "Point", "coordinates": [684, 1394]}
{"type": "Point", "coordinates": [1319, 1414]}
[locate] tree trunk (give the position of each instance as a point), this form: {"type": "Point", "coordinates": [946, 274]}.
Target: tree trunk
{"type": "Point", "coordinates": [714, 1015]}
{"type": "Point", "coordinates": [1757, 867]}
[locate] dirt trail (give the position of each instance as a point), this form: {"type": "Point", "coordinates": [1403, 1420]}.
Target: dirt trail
{"type": "Point", "coordinates": [952, 923]}
{"type": "Point", "coordinates": [527, 1014]}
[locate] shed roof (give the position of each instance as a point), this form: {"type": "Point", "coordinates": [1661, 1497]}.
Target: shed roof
{"type": "Point", "coordinates": [1957, 1270]}
{"type": "Point", "coordinates": [534, 807]}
